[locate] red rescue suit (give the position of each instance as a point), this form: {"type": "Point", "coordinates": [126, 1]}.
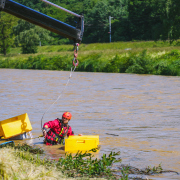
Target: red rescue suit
{"type": "Point", "coordinates": [57, 132]}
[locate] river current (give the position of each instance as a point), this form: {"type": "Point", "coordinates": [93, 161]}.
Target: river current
{"type": "Point", "coordinates": [138, 115]}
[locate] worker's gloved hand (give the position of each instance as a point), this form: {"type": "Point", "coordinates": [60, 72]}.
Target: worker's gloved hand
{"type": "Point", "coordinates": [44, 132]}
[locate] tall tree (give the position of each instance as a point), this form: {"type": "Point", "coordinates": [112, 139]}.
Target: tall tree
{"type": "Point", "coordinates": [171, 20]}
{"type": "Point", "coordinates": [6, 29]}
{"type": "Point", "coordinates": [29, 39]}
{"type": "Point", "coordinates": [119, 23]}
{"type": "Point", "coordinates": [97, 20]}
{"type": "Point", "coordinates": [144, 19]}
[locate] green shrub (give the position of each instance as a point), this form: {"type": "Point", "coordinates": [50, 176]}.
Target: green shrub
{"type": "Point", "coordinates": [27, 49]}
{"type": "Point", "coordinates": [91, 63]}
{"type": "Point", "coordinates": [113, 65]}
{"type": "Point", "coordinates": [140, 63]}
{"type": "Point", "coordinates": [175, 68]}
{"type": "Point", "coordinates": [168, 64]}
{"type": "Point", "coordinates": [133, 62]}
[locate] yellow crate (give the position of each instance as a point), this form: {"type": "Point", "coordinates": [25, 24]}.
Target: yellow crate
{"type": "Point", "coordinates": [81, 143]}
{"type": "Point", "coordinates": [15, 126]}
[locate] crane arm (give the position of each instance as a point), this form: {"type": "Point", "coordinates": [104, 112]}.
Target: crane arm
{"type": "Point", "coordinates": [44, 21]}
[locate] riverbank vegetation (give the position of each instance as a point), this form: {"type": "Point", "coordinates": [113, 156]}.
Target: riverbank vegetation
{"type": "Point", "coordinates": [25, 162]}
{"type": "Point", "coordinates": [144, 57]}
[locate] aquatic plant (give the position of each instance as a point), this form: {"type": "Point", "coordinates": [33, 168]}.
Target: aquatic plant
{"type": "Point", "coordinates": [125, 173]}
{"type": "Point", "coordinates": [24, 147]}
{"type": "Point", "coordinates": [78, 165]}
{"type": "Point", "coordinates": [153, 170]}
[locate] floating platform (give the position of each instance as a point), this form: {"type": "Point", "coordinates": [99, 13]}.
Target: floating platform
{"type": "Point", "coordinates": [15, 126]}
{"type": "Point", "coordinates": [81, 143]}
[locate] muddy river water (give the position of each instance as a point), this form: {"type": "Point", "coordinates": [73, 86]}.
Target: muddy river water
{"type": "Point", "coordinates": [138, 115]}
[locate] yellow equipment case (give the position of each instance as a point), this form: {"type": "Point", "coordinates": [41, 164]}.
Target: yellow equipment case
{"type": "Point", "coordinates": [81, 143]}
{"type": "Point", "coordinates": [15, 126]}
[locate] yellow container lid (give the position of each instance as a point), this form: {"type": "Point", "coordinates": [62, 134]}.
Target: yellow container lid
{"type": "Point", "coordinates": [81, 143]}
{"type": "Point", "coordinates": [15, 126]}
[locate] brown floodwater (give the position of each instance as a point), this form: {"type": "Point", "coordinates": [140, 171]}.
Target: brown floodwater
{"type": "Point", "coordinates": [138, 115]}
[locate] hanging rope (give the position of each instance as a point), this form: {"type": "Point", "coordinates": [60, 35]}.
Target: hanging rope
{"type": "Point", "coordinates": [75, 64]}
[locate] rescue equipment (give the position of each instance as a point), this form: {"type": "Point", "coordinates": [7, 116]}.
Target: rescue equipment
{"type": "Point", "coordinates": [75, 61]}
{"type": "Point", "coordinates": [67, 115]}
{"type": "Point", "coordinates": [81, 143]}
{"type": "Point", "coordinates": [5, 143]}
{"type": "Point", "coordinates": [15, 126]}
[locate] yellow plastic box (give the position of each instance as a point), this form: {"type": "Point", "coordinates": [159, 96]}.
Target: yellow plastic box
{"type": "Point", "coordinates": [15, 126]}
{"type": "Point", "coordinates": [81, 143]}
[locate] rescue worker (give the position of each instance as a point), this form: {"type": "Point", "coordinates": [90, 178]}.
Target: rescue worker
{"type": "Point", "coordinates": [59, 129]}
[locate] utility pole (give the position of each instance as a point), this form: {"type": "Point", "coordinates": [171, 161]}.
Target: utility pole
{"type": "Point", "coordinates": [110, 28]}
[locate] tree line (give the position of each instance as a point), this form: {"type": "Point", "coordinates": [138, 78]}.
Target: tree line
{"type": "Point", "coordinates": [131, 20]}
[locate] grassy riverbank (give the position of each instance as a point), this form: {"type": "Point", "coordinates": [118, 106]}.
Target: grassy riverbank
{"type": "Point", "coordinates": [27, 163]}
{"type": "Point", "coordinates": [146, 57]}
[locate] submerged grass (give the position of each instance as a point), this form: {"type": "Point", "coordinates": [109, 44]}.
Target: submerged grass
{"type": "Point", "coordinates": [145, 57]}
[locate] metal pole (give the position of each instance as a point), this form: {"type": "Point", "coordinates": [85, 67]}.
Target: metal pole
{"type": "Point", "coordinates": [61, 8]}
{"type": "Point", "coordinates": [109, 28]}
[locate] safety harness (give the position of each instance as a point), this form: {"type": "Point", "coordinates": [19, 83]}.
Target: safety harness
{"type": "Point", "coordinates": [59, 138]}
